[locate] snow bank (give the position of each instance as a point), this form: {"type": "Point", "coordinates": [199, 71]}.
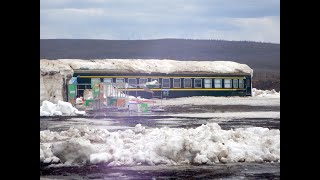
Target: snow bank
{"type": "Point", "coordinates": [53, 76]}
{"type": "Point", "coordinates": [265, 93]}
{"type": "Point", "coordinates": [206, 144]}
{"type": "Point", "coordinates": [61, 108]}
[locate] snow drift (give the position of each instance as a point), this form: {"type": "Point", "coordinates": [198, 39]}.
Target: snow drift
{"type": "Point", "coordinates": [265, 93]}
{"type": "Point", "coordinates": [61, 108]}
{"type": "Point", "coordinates": [206, 144]}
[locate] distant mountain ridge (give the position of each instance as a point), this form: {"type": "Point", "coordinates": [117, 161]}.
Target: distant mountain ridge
{"type": "Point", "coordinates": [259, 56]}
{"type": "Point", "coordinates": [263, 58]}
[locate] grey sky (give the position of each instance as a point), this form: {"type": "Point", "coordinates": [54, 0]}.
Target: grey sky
{"type": "Point", "coordinates": [251, 20]}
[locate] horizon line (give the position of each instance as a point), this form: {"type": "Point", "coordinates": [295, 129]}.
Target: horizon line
{"type": "Point", "coordinates": [159, 39]}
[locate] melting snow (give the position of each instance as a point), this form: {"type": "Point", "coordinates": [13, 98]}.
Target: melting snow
{"type": "Point", "coordinates": [206, 144]}
{"type": "Point", "coordinates": [61, 108]}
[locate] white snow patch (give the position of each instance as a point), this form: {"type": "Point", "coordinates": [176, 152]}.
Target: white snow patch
{"type": "Point", "coordinates": [100, 158]}
{"type": "Point", "coordinates": [265, 93]}
{"type": "Point", "coordinates": [206, 144]}
{"type": "Point", "coordinates": [61, 108]}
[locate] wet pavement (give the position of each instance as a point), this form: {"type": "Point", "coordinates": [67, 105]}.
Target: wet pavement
{"type": "Point", "coordinates": [217, 171]}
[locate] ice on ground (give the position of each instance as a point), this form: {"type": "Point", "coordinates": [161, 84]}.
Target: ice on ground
{"type": "Point", "coordinates": [61, 108]}
{"type": "Point", "coordinates": [206, 144]}
{"type": "Point", "coordinates": [256, 114]}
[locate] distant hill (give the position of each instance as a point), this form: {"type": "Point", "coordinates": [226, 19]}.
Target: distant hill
{"type": "Point", "coordinates": [264, 58]}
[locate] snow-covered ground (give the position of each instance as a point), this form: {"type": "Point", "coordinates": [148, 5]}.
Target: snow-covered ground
{"type": "Point", "coordinates": [211, 100]}
{"type": "Point", "coordinates": [206, 144]}
{"type": "Point", "coordinates": [61, 108]}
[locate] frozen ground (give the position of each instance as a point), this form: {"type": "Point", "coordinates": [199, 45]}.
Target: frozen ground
{"type": "Point", "coordinates": [255, 144]}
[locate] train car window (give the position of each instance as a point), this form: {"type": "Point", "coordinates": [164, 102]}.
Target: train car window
{"type": "Point", "coordinates": [217, 83]}
{"type": "Point", "coordinates": [176, 83]}
{"type": "Point", "coordinates": [197, 83]}
{"type": "Point", "coordinates": [241, 84]}
{"type": "Point", "coordinates": [187, 83]}
{"type": "Point", "coordinates": [165, 83]}
{"type": "Point", "coordinates": [142, 81]}
{"type": "Point", "coordinates": [157, 81]}
{"type": "Point", "coordinates": [119, 80]}
{"type": "Point", "coordinates": [107, 80]}
{"type": "Point", "coordinates": [207, 83]}
{"type": "Point", "coordinates": [235, 83]}
{"type": "Point", "coordinates": [132, 82]}
{"type": "Point", "coordinates": [227, 83]}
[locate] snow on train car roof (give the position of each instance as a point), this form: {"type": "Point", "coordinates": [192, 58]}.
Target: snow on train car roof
{"type": "Point", "coordinates": [157, 66]}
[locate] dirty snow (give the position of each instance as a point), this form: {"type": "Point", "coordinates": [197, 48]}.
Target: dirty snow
{"type": "Point", "coordinates": [61, 108]}
{"type": "Point", "coordinates": [206, 144]}
{"type": "Point", "coordinates": [53, 75]}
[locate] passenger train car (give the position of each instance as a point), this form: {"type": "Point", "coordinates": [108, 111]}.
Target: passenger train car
{"type": "Point", "coordinates": [174, 85]}
{"type": "Point", "coordinates": [175, 78]}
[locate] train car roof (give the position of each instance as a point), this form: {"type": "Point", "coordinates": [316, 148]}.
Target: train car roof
{"type": "Point", "coordinates": [150, 66]}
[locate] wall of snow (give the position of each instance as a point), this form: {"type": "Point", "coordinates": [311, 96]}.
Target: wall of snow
{"type": "Point", "coordinates": [53, 76]}
{"type": "Point", "coordinates": [206, 144]}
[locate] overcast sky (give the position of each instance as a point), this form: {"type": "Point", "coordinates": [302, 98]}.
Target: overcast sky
{"type": "Point", "coordinates": [251, 20]}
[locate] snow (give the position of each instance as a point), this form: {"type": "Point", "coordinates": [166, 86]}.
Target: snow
{"type": "Point", "coordinates": [61, 108]}
{"type": "Point", "coordinates": [265, 93]}
{"type": "Point", "coordinates": [152, 82]}
{"type": "Point", "coordinates": [53, 74]}
{"type": "Point", "coordinates": [157, 66]}
{"type": "Point", "coordinates": [79, 101]}
{"type": "Point", "coordinates": [212, 100]}
{"type": "Point", "coordinates": [206, 144]}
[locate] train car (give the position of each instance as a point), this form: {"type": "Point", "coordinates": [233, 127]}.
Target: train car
{"type": "Point", "coordinates": [192, 79]}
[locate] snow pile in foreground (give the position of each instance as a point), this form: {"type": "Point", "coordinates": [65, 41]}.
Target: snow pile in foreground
{"type": "Point", "coordinates": [265, 93]}
{"type": "Point", "coordinates": [61, 108]}
{"type": "Point", "coordinates": [206, 144]}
